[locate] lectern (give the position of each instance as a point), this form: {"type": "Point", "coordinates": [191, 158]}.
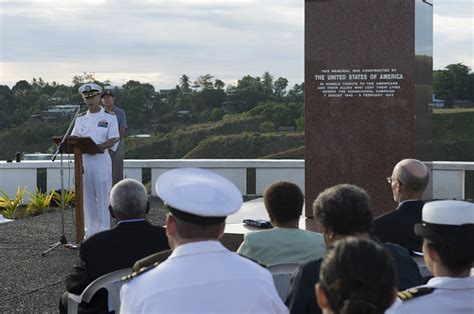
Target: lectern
{"type": "Point", "coordinates": [78, 146]}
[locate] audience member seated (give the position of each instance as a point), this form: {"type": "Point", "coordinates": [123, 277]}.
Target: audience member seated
{"type": "Point", "coordinates": [356, 276]}
{"type": "Point", "coordinates": [447, 228]}
{"type": "Point", "coordinates": [201, 275]}
{"type": "Point", "coordinates": [285, 243]}
{"type": "Point", "coordinates": [131, 239]}
{"type": "Point", "coordinates": [409, 179]}
{"type": "Point", "coordinates": [344, 210]}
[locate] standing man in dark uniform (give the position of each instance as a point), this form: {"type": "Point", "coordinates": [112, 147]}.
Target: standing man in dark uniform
{"type": "Point", "coordinates": [117, 151]}
{"type": "Point", "coordinates": [408, 181]}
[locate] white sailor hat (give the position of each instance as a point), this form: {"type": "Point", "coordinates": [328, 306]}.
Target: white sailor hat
{"type": "Point", "coordinates": [198, 196]}
{"type": "Point", "coordinates": [90, 89]}
{"type": "Point", "coordinates": [447, 222]}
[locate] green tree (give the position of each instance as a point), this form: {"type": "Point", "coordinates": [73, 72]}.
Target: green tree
{"type": "Point", "coordinates": [204, 82]}
{"type": "Point", "coordinates": [267, 83]}
{"type": "Point", "coordinates": [84, 78]}
{"type": "Point", "coordinates": [455, 82]}
{"type": "Point", "coordinates": [219, 84]}
{"type": "Point", "coordinates": [185, 83]}
{"type": "Point", "coordinates": [279, 87]}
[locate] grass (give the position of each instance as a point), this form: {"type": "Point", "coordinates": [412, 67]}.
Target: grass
{"type": "Point", "coordinates": [452, 110]}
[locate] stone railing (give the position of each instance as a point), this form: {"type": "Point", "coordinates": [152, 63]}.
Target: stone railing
{"type": "Point", "coordinates": [249, 175]}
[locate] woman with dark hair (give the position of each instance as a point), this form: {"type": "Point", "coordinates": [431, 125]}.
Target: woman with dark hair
{"type": "Point", "coordinates": [356, 276]}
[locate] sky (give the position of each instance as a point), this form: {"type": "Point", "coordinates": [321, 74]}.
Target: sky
{"type": "Point", "coordinates": [157, 41]}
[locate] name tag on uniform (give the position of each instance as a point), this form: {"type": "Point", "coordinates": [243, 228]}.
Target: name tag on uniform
{"type": "Point", "coordinates": [103, 124]}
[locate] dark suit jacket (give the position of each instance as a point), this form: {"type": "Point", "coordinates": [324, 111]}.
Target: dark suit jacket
{"type": "Point", "coordinates": [397, 226]}
{"type": "Point", "coordinates": [302, 298]}
{"type": "Point", "coordinates": [111, 250]}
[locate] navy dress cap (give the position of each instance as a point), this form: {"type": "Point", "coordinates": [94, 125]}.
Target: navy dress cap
{"type": "Point", "coordinates": [107, 92]}
{"type": "Point", "coordinates": [447, 222]}
{"type": "Point", "coordinates": [90, 89]}
{"type": "Point", "coordinates": [198, 193]}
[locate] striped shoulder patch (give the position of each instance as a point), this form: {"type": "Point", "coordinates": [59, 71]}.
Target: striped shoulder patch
{"type": "Point", "coordinates": [139, 272]}
{"type": "Point", "coordinates": [409, 294]}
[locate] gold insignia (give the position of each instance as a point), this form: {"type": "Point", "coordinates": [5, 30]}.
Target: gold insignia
{"type": "Point", "coordinates": [139, 272]}
{"type": "Point", "coordinates": [414, 292]}
{"type": "Point", "coordinates": [110, 112]}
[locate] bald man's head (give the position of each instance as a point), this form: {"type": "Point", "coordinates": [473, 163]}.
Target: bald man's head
{"type": "Point", "coordinates": [413, 177]}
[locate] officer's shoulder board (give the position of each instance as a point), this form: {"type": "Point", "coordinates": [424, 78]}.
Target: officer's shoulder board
{"type": "Point", "coordinates": [139, 272]}
{"type": "Point", "coordinates": [414, 293]}
{"type": "Point", "coordinates": [82, 113]}
{"type": "Point", "coordinates": [110, 112]}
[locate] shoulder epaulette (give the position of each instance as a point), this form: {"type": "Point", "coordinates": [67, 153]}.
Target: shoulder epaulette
{"type": "Point", "coordinates": [255, 261]}
{"type": "Point", "coordinates": [414, 292]}
{"type": "Point", "coordinates": [110, 112]}
{"type": "Point", "coordinates": [139, 272]}
{"type": "Point", "coordinates": [82, 113]}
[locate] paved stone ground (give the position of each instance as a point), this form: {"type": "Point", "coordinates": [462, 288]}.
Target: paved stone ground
{"type": "Point", "coordinates": [30, 283]}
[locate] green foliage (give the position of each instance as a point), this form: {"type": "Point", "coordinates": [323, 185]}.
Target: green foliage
{"type": "Point", "coordinates": [39, 202]}
{"type": "Point", "coordinates": [10, 205]}
{"type": "Point", "coordinates": [453, 136]}
{"type": "Point", "coordinates": [267, 127]}
{"type": "Point", "coordinates": [246, 145]}
{"type": "Point", "coordinates": [454, 83]}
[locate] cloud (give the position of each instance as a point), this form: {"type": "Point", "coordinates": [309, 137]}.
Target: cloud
{"type": "Point", "coordinates": [159, 40]}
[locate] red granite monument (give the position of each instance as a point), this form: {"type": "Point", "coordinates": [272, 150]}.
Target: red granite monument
{"type": "Point", "coordinates": [368, 76]}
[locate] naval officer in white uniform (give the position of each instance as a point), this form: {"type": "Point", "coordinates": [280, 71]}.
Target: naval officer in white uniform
{"type": "Point", "coordinates": [447, 228]}
{"type": "Point", "coordinates": [102, 127]}
{"type": "Point", "coordinates": [201, 275]}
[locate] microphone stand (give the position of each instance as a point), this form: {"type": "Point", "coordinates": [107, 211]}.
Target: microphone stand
{"type": "Point", "coordinates": [59, 150]}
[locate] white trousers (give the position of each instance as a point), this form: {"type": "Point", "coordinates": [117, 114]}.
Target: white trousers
{"type": "Point", "coordinates": [97, 183]}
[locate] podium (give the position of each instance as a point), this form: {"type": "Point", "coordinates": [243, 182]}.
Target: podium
{"type": "Point", "coordinates": [78, 146]}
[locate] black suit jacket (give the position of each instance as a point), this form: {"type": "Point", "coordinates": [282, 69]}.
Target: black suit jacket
{"type": "Point", "coordinates": [397, 226]}
{"type": "Point", "coordinates": [111, 250]}
{"type": "Point", "coordinates": [302, 298]}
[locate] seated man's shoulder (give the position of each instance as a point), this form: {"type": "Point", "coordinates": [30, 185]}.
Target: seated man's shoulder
{"type": "Point", "coordinates": [310, 267]}
{"type": "Point", "coordinates": [397, 250]}
{"type": "Point", "coordinates": [152, 260]}
{"type": "Point", "coordinates": [413, 293]}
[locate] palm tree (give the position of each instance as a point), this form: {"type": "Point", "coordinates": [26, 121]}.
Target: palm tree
{"type": "Point", "coordinates": [184, 83]}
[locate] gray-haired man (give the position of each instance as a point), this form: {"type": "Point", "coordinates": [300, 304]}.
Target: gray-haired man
{"type": "Point", "coordinates": [130, 240]}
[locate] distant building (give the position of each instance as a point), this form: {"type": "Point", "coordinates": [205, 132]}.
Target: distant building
{"type": "Point", "coordinates": [437, 103]}
{"type": "Point", "coordinates": [54, 112]}
{"type": "Point", "coordinates": [183, 113]}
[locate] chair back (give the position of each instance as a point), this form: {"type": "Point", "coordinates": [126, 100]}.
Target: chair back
{"type": "Point", "coordinates": [111, 282]}
{"type": "Point", "coordinates": [282, 276]}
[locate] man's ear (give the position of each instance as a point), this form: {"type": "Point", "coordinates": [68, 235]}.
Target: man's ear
{"type": "Point", "coordinates": [111, 211]}
{"type": "Point", "coordinates": [221, 230]}
{"type": "Point", "coordinates": [170, 225]}
{"type": "Point", "coordinates": [432, 254]}
{"type": "Point", "coordinates": [321, 297]}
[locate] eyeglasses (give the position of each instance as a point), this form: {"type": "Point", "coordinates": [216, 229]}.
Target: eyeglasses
{"type": "Point", "coordinates": [89, 97]}
{"type": "Point", "coordinates": [390, 180]}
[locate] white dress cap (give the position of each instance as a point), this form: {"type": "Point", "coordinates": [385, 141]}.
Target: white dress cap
{"type": "Point", "coordinates": [199, 192]}
{"type": "Point", "coordinates": [454, 213]}
{"type": "Point", "coordinates": [90, 89]}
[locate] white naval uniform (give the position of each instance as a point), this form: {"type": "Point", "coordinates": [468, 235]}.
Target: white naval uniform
{"type": "Point", "coordinates": [451, 295]}
{"type": "Point", "coordinates": [202, 277]}
{"type": "Point", "coordinates": [97, 179]}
